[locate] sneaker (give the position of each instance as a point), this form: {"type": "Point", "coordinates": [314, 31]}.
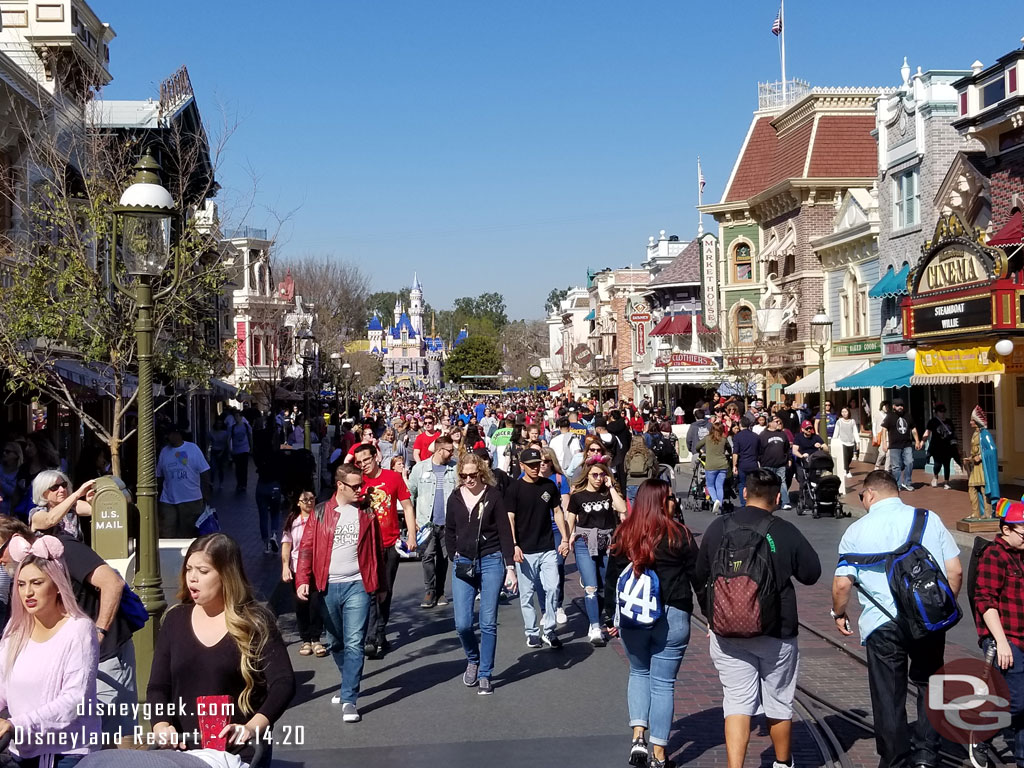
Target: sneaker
{"type": "Point", "coordinates": [787, 506]}
{"type": "Point", "coordinates": [370, 649]}
{"type": "Point", "coordinates": [638, 753]}
{"type": "Point", "coordinates": [780, 764]}
{"type": "Point", "coordinates": [849, 474]}
{"type": "Point", "coordinates": [716, 508]}
{"type": "Point", "coordinates": [560, 618]}
{"type": "Point", "coordinates": [429, 601]}
{"type": "Point", "coordinates": [349, 713]}
{"type": "Point", "coordinates": [469, 679]}
{"type": "Point", "coordinates": [442, 600]}
{"type": "Point", "coordinates": [946, 486]}
{"type": "Point", "coordinates": [979, 754]}
{"type": "Point", "coordinates": [533, 641]}
{"type": "Point", "coordinates": [551, 640]}
{"type": "Point", "coordinates": [656, 763]}
{"type": "Point", "coordinates": [273, 545]}
{"type": "Point", "coordinates": [935, 482]}
{"type": "Point", "coordinates": [596, 636]}
{"type": "Point", "coordinates": [336, 699]}
{"type": "Point", "coordinates": [266, 548]}
{"type": "Point", "coordinates": [486, 687]}
{"type": "Point", "coordinates": [907, 487]}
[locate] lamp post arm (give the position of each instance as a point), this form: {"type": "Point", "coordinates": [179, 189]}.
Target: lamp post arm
{"type": "Point", "coordinates": [127, 290]}
{"type": "Point", "coordinates": [176, 277]}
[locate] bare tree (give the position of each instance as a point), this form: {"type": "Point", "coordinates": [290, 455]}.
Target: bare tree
{"type": "Point", "coordinates": [339, 291]}
{"type": "Point", "coordinates": [523, 344]}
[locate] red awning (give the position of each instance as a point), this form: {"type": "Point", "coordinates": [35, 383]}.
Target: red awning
{"type": "Point", "coordinates": [561, 349]}
{"type": "Point", "coordinates": [1012, 232]}
{"type": "Point", "coordinates": [556, 387]}
{"type": "Point", "coordinates": [677, 325]}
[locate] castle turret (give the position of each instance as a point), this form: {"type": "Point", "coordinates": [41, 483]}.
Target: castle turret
{"type": "Point", "coordinates": [398, 310]}
{"type": "Point", "coordinates": [416, 304]}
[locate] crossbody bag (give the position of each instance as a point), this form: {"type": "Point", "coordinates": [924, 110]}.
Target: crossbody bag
{"type": "Point", "coordinates": [467, 570]}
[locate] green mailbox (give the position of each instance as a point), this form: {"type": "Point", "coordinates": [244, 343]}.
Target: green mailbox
{"type": "Point", "coordinates": [111, 524]}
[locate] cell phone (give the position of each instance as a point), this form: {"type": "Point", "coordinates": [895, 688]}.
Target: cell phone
{"type": "Point", "coordinates": [214, 713]}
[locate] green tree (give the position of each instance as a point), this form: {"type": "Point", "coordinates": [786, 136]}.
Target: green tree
{"type": "Point", "coordinates": [554, 299]}
{"type": "Point", "coordinates": [476, 356]}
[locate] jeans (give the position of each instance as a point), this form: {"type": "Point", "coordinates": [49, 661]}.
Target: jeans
{"type": "Point", "coordinates": [434, 559]}
{"type": "Point", "coordinates": [741, 483]}
{"type": "Point", "coordinates": [491, 570]}
{"type": "Point", "coordinates": [541, 597]}
{"type": "Point", "coordinates": [380, 607]}
{"type": "Point", "coordinates": [654, 657]}
{"type": "Point", "coordinates": [218, 465]}
{"type": "Point", "coordinates": [780, 472]}
{"type": "Point", "coordinates": [268, 502]}
{"type": "Point", "coordinates": [538, 571]}
{"type": "Point", "coordinates": [901, 459]}
{"type": "Point", "coordinates": [715, 481]}
{"type": "Point", "coordinates": [631, 491]}
{"type": "Point", "coordinates": [891, 657]}
{"type": "Point", "coordinates": [1014, 677]}
{"type": "Point", "coordinates": [591, 569]}
{"type": "Point", "coordinates": [345, 607]}
{"type": "Point", "coordinates": [115, 687]}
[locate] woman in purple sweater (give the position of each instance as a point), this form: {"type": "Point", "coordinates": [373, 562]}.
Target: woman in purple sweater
{"type": "Point", "coordinates": [48, 659]}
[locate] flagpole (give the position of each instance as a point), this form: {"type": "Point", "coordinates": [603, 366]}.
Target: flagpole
{"type": "Point", "coordinates": [782, 41]}
{"type": "Point", "coordinates": [700, 200]}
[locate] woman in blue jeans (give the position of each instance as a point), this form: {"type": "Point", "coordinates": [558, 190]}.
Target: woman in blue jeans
{"type": "Point", "coordinates": [478, 535]}
{"type": "Point", "coordinates": [594, 510]}
{"type": "Point", "coordinates": [716, 464]}
{"type": "Point", "coordinates": [651, 540]}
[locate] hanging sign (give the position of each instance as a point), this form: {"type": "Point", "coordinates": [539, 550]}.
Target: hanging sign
{"type": "Point", "coordinates": [958, 361]}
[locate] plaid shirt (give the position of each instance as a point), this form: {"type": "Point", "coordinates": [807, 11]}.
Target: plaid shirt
{"type": "Point", "coordinates": [1000, 584]}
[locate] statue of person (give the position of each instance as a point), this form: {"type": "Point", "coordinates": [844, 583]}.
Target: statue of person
{"type": "Point", "coordinates": [983, 466]}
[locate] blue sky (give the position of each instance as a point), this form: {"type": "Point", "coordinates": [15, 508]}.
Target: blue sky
{"type": "Point", "coordinates": [504, 145]}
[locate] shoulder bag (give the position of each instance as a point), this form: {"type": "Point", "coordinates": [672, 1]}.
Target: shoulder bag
{"type": "Point", "coordinates": [467, 570]}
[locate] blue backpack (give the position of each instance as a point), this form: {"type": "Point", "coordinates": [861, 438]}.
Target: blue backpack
{"type": "Point", "coordinates": [637, 599]}
{"type": "Point", "coordinates": [925, 604]}
{"type": "Point", "coordinates": [132, 609]}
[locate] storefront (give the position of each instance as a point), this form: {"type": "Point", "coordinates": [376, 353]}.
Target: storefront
{"type": "Point", "coordinates": [962, 320]}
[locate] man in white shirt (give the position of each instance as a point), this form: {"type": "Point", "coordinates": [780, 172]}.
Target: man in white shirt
{"type": "Point", "coordinates": [185, 487]}
{"type": "Point", "coordinates": [565, 444]}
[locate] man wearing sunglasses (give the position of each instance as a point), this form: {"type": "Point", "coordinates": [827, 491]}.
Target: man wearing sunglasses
{"type": "Point", "coordinates": [341, 556]}
{"type": "Point", "coordinates": [424, 445]}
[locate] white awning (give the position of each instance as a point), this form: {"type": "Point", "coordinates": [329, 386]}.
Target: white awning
{"type": "Point", "coordinates": [834, 371]}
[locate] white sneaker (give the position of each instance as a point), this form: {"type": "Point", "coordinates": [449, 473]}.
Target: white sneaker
{"type": "Point", "coordinates": [335, 699]}
{"type": "Point", "coordinates": [596, 636]}
{"type": "Point", "coordinates": [349, 713]}
{"type": "Point", "coordinates": [560, 618]}
{"type": "Point", "coordinates": [849, 474]}
{"type": "Point", "coordinates": [716, 508]}
{"type": "Point", "coordinates": [946, 486]}
{"type": "Point", "coordinates": [935, 482]}
{"type": "Point", "coordinates": [777, 764]}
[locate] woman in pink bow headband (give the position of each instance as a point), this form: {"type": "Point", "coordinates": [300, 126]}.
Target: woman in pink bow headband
{"type": "Point", "coordinates": [45, 683]}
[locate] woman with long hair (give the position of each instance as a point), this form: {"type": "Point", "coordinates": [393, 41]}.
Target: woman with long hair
{"type": "Point", "coordinates": [846, 432]}
{"type": "Point", "coordinates": [219, 642]}
{"type": "Point", "coordinates": [649, 539]}
{"type": "Point", "coordinates": [716, 463]}
{"type": "Point", "coordinates": [48, 660]}
{"type": "Point", "coordinates": [594, 510]}
{"type": "Point", "coordinates": [479, 541]}
{"type": "Point", "coordinates": [307, 612]}
{"type": "Point", "coordinates": [386, 446]}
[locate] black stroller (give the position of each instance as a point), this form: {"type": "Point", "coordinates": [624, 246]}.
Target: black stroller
{"type": "Point", "coordinates": [697, 495]}
{"type": "Point", "coordinates": [819, 487]}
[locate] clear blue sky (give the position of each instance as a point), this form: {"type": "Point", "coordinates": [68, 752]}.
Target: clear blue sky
{"type": "Point", "coordinates": [505, 145]}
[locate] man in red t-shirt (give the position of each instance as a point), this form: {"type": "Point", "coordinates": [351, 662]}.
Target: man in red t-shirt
{"type": "Point", "coordinates": [385, 490]}
{"type": "Point", "coordinates": [423, 448]}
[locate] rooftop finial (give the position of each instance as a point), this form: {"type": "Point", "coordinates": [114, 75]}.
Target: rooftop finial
{"type": "Point", "coordinates": [905, 72]}
{"type": "Point", "coordinates": [977, 66]}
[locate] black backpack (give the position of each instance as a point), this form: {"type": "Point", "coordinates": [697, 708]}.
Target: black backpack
{"type": "Point", "coordinates": [663, 450]}
{"type": "Point", "coordinates": [924, 601]}
{"type": "Point", "coordinates": [743, 597]}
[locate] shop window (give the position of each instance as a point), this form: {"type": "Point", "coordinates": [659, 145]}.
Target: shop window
{"type": "Point", "coordinates": [257, 350]}
{"type": "Point", "coordinates": [906, 200]}
{"type": "Point", "coordinates": [742, 263]}
{"type": "Point", "coordinates": [987, 401]}
{"type": "Point", "coordinates": [744, 326]}
{"type": "Point", "coordinates": [854, 307]}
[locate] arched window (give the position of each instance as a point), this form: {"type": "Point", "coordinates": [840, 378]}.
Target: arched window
{"type": "Point", "coordinates": [744, 326]}
{"type": "Point", "coordinates": [742, 264]}
{"type": "Point", "coordinates": [853, 307]}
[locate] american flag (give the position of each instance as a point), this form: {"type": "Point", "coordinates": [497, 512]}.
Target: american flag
{"type": "Point", "coordinates": [777, 25]}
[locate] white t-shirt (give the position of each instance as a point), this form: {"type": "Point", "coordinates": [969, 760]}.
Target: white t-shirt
{"type": "Point", "coordinates": [180, 469]}
{"type": "Point", "coordinates": [345, 552]}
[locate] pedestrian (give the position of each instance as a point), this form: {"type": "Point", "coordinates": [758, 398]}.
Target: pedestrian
{"type": "Point", "coordinates": [186, 485]}
{"type": "Point", "coordinates": [531, 500]}
{"type": "Point", "coordinates": [593, 512]}
{"type": "Point", "coordinates": [902, 440]}
{"type": "Point", "coordinates": [269, 470]}
{"type": "Point", "coordinates": [386, 446]}
{"type": "Point", "coordinates": [241, 446]}
{"type": "Point", "coordinates": [423, 445]}
{"type": "Point", "coordinates": [385, 491]}
{"type": "Point", "coordinates": [652, 542]}
{"type": "Point", "coordinates": [550, 468]}
{"type": "Point", "coordinates": [307, 612]}
{"type": "Point", "coordinates": [48, 661]}
{"type": "Point", "coordinates": [12, 482]}
{"type": "Point", "coordinates": [758, 671]}
{"type": "Point", "coordinates": [831, 417]}
{"type": "Point", "coordinates": [997, 600]}
{"type": "Point", "coordinates": [846, 432]}
{"type": "Point", "coordinates": [892, 651]}
{"type": "Point", "coordinates": [431, 483]}
{"type": "Point", "coordinates": [478, 534]}
{"type": "Point", "coordinates": [745, 447]}
{"type": "Point", "coordinates": [716, 464]}
{"type": "Point", "coordinates": [220, 451]}
{"type": "Point", "coordinates": [942, 446]}
{"type": "Point", "coordinates": [881, 436]}
{"type": "Point", "coordinates": [219, 641]}
{"type": "Point", "coordinates": [341, 557]}
{"type": "Point", "coordinates": [565, 444]}
{"type": "Point", "coordinates": [774, 454]}
{"type": "Point", "coordinates": [983, 481]}
{"type": "Point", "coordinates": [640, 464]}
{"type": "Point", "coordinates": [56, 505]}
{"type": "Point", "coordinates": [697, 431]}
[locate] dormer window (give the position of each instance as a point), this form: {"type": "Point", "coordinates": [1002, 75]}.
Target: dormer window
{"type": "Point", "coordinates": [993, 91]}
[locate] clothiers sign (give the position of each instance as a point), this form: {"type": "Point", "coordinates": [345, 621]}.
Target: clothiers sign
{"type": "Point", "coordinates": [686, 360]}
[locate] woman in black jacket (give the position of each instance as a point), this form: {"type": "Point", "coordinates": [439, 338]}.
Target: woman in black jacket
{"type": "Point", "coordinates": [478, 539]}
{"type": "Point", "coordinates": [654, 544]}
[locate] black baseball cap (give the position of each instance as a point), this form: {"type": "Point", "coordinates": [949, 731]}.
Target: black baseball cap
{"type": "Point", "coordinates": [530, 456]}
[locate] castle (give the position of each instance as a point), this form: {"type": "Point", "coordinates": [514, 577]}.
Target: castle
{"type": "Point", "coordinates": [411, 358]}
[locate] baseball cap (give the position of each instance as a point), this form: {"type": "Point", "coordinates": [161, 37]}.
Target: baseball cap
{"type": "Point", "coordinates": [896, 402]}
{"type": "Point", "coordinates": [806, 423]}
{"type": "Point", "coordinates": [530, 456]}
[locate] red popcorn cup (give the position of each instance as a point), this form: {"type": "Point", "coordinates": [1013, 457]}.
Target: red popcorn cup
{"type": "Point", "coordinates": [214, 713]}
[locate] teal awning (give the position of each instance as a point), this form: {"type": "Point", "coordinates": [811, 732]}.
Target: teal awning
{"type": "Point", "coordinates": [888, 373]}
{"type": "Point", "coordinates": [589, 316]}
{"type": "Point", "coordinates": [892, 284]}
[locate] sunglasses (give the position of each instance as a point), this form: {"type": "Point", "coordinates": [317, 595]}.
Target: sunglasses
{"type": "Point", "coordinates": [594, 449]}
{"type": "Point", "coordinates": [307, 499]}
{"type": "Point", "coordinates": [57, 486]}
{"type": "Point", "coordinates": [596, 475]}
{"type": "Point", "coordinates": [468, 475]}
{"type": "Point", "coordinates": [357, 487]}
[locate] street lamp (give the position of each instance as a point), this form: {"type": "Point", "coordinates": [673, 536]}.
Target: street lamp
{"type": "Point", "coordinates": [144, 214]}
{"type": "Point", "coordinates": [346, 370]}
{"type": "Point", "coordinates": [599, 370]}
{"type": "Point", "coordinates": [306, 336]}
{"type": "Point", "coordinates": [335, 357]}
{"type": "Point", "coordinates": [821, 331]}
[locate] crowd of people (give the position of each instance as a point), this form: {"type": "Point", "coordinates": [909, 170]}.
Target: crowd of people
{"type": "Point", "coordinates": [498, 497]}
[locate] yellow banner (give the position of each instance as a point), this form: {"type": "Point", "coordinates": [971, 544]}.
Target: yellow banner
{"type": "Point", "coordinates": [958, 361]}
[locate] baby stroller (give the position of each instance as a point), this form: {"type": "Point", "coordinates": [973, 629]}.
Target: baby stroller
{"type": "Point", "coordinates": [819, 487]}
{"type": "Point", "coordinates": [697, 496]}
